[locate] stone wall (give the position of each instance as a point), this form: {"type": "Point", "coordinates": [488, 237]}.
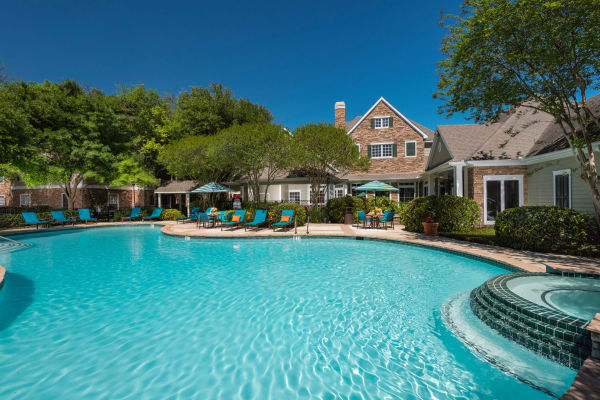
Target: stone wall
{"type": "Point", "coordinates": [5, 191]}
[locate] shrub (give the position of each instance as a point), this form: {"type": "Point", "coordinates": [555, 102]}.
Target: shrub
{"type": "Point", "coordinates": [317, 215]}
{"type": "Point", "coordinates": [11, 220]}
{"type": "Point", "coordinates": [453, 213]}
{"type": "Point", "coordinates": [547, 228]}
{"type": "Point", "coordinates": [384, 203]}
{"type": "Point", "coordinates": [337, 207]}
{"type": "Point", "coordinates": [299, 211]}
{"type": "Point", "coordinates": [170, 214]}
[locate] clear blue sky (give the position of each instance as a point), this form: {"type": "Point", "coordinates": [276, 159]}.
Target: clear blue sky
{"type": "Point", "coordinates": [295, 57]}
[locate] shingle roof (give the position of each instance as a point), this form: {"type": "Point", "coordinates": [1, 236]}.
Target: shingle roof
{"type": "Point", "coordinates": [382, 177]}
{"type": "Point", "coordinates": [176, 187]}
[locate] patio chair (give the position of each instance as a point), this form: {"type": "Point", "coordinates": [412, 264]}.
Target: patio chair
{"type": "Point", "coordinates": [388, 218]}
{"type": "Point", "coordinates": [222, 217]}
{"type": "Point", "coordinates": [135, 214]}
{"type": "Point", "coordinates": [155, 215]}
{"type": "Point", "coordinates": [59, 216]}
{"type": "Point", "coordinates": [287, 217]}
{"type": "Point", "coordinates": [259, 218]}
{"type": "Point", "coordinates": [30, 219]}
{"type": "Point", "coordinates": [84, 215]}
{"type": "Point", "coordinates": [202, 217]}
{"type": "Point", "coordinates": [236, 219]}
{"type": "Point", "coordinates": [362, 217]}
{"type": "Point", "coordinates": [193, 215]}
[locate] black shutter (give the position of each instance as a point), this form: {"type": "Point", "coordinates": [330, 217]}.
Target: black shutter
{"type": "Point", "coordinates": [394, 149]}
{"type": "Point", "coordinates": [369, 149]}
{"type": "Point", "coordinates": [372, 123]}
{"type": "Point", "coordinates": [391, 119]}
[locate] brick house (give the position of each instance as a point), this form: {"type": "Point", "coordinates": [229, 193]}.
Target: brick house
{"type": "Point", "coordinates": [521, 159]}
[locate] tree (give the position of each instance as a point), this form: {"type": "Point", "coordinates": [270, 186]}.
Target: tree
{"type": "Point", "coordinates": [323, 152]}
{"type": "Point", "coordinates": [255, 151]}
{"type": "Point", "coordinates": [541, 54]}
{"type": "Point", "coordinates": [206, 111]}
{"type": "Point", "coordinates": [130, 172]}
{"type": "Point", "coordinates": [16, 144]}
{"type": "Point", "coordinates": [190, 158]}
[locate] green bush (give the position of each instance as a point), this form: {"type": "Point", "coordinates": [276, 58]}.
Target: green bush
{"type": "Point", "coordinates": [337, 207]}
{"type": "Point", "coordinates": [317, 215]}
{"type": "Point", "coordinates": [453, 213]}
{"type": "Point", "coordinates": [299, 211]}
{"type": "Point", "coordinates": [11, 220]}
{"type": "Point", "coordinates": [126, 212]}
{"type": "Point", "coordinates": [548, 229]}
{"type": "Point", "coordinates": [170, 214]}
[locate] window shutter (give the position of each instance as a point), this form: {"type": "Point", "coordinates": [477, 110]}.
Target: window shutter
{"type": "Point", "coordinates": [391, 125]}
{"type": "Point", "coordinates": [394, 149]}
{"type": "Point", "coordinates": [372, 124]}
{"type": "Point", "coordinates": [369, 149]}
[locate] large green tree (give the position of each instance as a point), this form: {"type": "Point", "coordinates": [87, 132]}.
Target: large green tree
{"type": "Point", "coordinates": [323, 153]}
{"type": "Point", "coordinates": [542, 54]}
{"type": "Point", "coordinates": [130, 172]}
{"type": "Point", "coordinates": [256, 152]}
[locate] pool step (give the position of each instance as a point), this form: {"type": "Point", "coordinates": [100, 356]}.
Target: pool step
{"type": "Point", "coordinates": [547, 332]}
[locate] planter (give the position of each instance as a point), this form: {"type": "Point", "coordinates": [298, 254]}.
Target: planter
{"type": "Point", "coordinates": [431, 228]}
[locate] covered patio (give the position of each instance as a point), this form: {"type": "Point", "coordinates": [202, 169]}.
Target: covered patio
{"type": "Point", "coordinates": [175, 194]}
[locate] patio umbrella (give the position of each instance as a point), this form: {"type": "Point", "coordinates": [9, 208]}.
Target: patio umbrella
{"type": "Point", "coordinates": [363, 194]}
{"type": "Point", "coordinates": [376, 186]}
{"type": "Point", "coordinates": [212, 187]}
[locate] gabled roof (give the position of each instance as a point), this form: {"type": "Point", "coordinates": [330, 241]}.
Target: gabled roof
{"type": "Point", "coordinates": [176, 187]}
{"type": "Point", "coordinates": [415, 126]}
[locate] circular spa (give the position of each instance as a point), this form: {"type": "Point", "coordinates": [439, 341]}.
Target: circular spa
{"type": "Point", "coordinates": [128, 312]}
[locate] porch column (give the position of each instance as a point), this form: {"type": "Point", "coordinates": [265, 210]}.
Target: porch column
{"type": "Point", "coordinates": [458, 179]}
{"type": "Point", "coordinates": [430, 185]}
{"type": "Point", "coordinates": [466, 182]}
{"type": "Point", "coordinates": [159, 200]}
{"type": "Point", "coordinates": [187, 203]}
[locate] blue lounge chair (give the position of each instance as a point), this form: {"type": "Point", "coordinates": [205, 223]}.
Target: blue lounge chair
{"type": "Point", "coordinates": [135, 214]}
{"type": "Point", "coordinates": [362, 217]}
{"type": "Point", "coordinates": [155, 214]}
{"type": "Point", "coordinates": [59, 216]}
{"type": "Point", "coordinates": [222, 217]}
{"type": "Point", "coordinates": [193, 215]}
{"type": "Point", "coordinates": [287, 219]}
{"type": "Point", "coordinates": [388, 218]}
{"type": "Point", "coordinates": [30, 219]}
{"type": "Point", "coordinates": [259, 218]}
{"type": "Point", "coordinates": [84, 215]}
{"type": "Point", "coordinates": [236, 219]}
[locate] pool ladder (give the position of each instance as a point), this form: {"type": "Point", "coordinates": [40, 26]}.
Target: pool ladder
{"type": "Point", "coordinates": [8, 245]}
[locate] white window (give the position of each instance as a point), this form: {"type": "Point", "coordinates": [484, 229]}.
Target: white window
{"type": "Point", "coordinates": [113, 200]}
{"type": "Point", "coordinates": [2, 201]}
{"type": "Point", "coordinates": [406, 192]}
{"type": "Point", "coordinates": [381, 122]}
{"type": "Point", "coordinates": [562, 188]}
{"type": "Point", "coordinates": [1, 180]}
{"type": "Point", "coordinates": [321, 197]}
{"type": "Point", "coordinates": [410, 148]}
{"type": "Point", "coordinates": [64, 201]}
{"type": "Point", "coordinates": [25, 200]}
{"type": "Point", "coordinates": [294, 196]}
{"type": "Point", "coordinates": [499, 193]}
{"type": "Point", "coordinates": [382, 150]}
{"type": "Point", "coordinates": [358, 147]}
{"type": "Point", "coordinates": [339, 191]}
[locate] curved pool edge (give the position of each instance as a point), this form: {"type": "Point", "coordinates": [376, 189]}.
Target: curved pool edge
{"type": "Point", "coordinates": [2, 273]}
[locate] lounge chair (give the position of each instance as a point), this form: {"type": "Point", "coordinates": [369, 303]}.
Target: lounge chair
{"type": "Point", "coordinates": [362, 217]}
{"type": "Point", "coordinates": [30, 219]}
{"type": "Point", "coordinates": [155, 214]}
{"type": "Point", "coordinates": [84, 215]}
{"type": "Point", "coordinates": [193, 215]}
{"type": "Point", "coordinates": [59, 216]}
{"type": "Point", "coordinates": [287, 218]}
{"type": "Point", "coordinates": [135, 214]}
{"type": "Point", "coordinates": [222, 217]}
{"type": "Point", "coordinates": [236, 219]}
{"type": "Point", "coordinates": [259, 218]}
{"type": "Point", "coordinates": [388, 218]}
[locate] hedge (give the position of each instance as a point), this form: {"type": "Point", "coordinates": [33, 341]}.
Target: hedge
{"type": "Point", "coordinates": [547, 229]}
{"type": "Point", "coordinates": [453, 213]}
{"type": "Point", "coordinates": [337, 207]}
{"type": "Point", "coordinates": [299, 212]}
{"type": "Point", "coordinates": [170, 214]}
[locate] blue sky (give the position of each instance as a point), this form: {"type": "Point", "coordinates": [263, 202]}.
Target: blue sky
{"type": "Point", "coordinates": [295, 57]}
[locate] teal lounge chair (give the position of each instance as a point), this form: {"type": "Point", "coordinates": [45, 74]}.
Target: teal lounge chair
{"type": "Point", "coordinates": [193, 215]}
{"type": "Point", "coordinates": [135, 214]}
{"type": "Point", "coordinates": [241, 213]}
{"type": "Point", "coordinates": [155, 214]}
{"type": "Point", "coordinates": [388, 218]}
{"type": "Point", "coordinates": [84, 215]}
{"type": "Point", "coordinates": [30, 219]}
{"type": "Point", "coordinates": [222, 217]}
{"type": "Point", "coordinates": [282, 224]}
{"type": "Point", "coordinates": [259, 218]}
{"type": "Point", "coordinates": [362, 218]}
{"type": "Point", "coordinates": [59, 216]}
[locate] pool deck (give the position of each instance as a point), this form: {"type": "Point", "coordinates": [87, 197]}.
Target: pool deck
{"type": "Point", "coordinates": [587, 382]}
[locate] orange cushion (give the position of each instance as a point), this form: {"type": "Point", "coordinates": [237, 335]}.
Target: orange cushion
{"type": "Point", "coordinates": [236, 218]}
{"type": "Point", "coordinates": [285, 218]}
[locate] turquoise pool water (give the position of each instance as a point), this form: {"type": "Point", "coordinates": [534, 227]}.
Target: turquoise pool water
{"type": "Point", "coordinates": [129, 313]}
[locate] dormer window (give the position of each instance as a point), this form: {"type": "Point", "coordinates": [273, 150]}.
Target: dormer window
{"type": "Point", "coordinates": [381, 122]}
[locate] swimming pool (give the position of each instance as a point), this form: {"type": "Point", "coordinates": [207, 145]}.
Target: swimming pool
{"type": "Point", "coordinates": [128, 312]}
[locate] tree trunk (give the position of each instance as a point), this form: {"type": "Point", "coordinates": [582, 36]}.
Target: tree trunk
{"type": "Point", "coordinates": [71, 189]}
{"type": "Point", "coordinates": [590, 175]}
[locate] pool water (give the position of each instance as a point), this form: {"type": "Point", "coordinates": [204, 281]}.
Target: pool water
{"type": "Point", "coordinates": [129, 313]}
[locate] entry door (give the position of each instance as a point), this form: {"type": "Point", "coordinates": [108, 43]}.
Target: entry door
{"type": "Point", "coordinates": [500, 193]}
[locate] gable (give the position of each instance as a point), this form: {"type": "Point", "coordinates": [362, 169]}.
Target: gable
{"type": "Point", "coordinates": [440, 153]}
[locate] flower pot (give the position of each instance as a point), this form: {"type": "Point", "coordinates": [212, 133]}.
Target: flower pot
{"type": "Point", "coordinates": [431, 228]}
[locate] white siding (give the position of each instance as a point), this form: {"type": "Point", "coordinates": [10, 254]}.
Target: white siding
{"type": "Point", "coordinates": [540, 185]}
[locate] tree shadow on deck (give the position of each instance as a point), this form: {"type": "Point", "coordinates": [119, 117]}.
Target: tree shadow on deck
{"type": "Point", "coordinates": [15, 297]}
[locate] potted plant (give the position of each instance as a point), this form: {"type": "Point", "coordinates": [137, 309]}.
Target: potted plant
{"type": "Point", "coordinates": [430, 226]}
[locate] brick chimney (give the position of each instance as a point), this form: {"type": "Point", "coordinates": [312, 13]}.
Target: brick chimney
{"type": "Point", "coordinates": [340, 115]}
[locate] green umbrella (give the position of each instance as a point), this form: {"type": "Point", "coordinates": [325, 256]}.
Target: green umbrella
{"type": "Point", "coordinates": [376, 186]}
{"type": "Point", "coordinates": [362, 194]}
{"type": "Point", "coordinates": [212, 187]}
